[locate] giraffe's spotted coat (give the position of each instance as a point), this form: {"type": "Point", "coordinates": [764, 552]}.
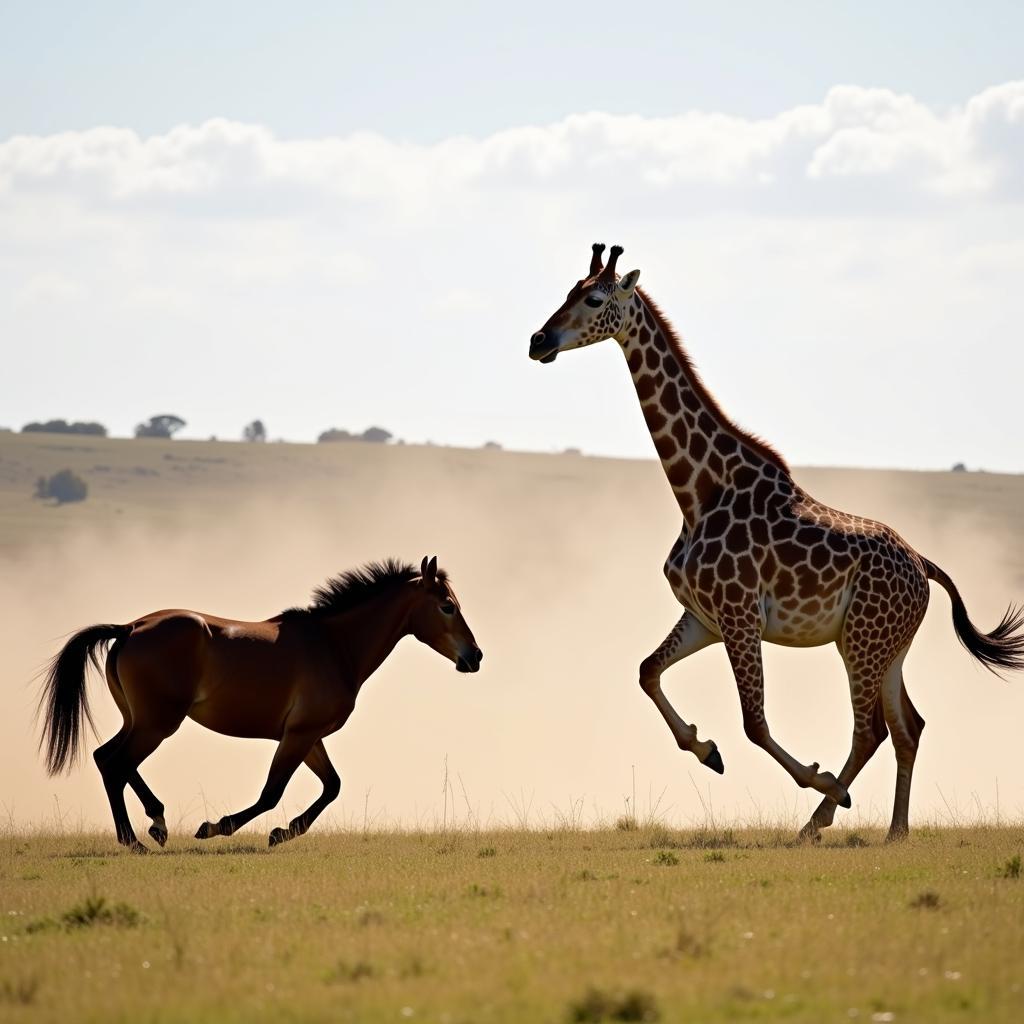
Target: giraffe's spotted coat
{"type": "Point", "coordinates": [760, 559]}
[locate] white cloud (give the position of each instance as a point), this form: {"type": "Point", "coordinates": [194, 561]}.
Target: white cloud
{"type": "Point", "coordinates": [855, 135]}
{"type": "Point", "coordinates": [867, 230]}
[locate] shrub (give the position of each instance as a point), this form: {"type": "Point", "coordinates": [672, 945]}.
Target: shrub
{"type": "Point", "coordinates": [64, 486]}
{"type": "Point", "coordinates": [375, 435]}
{"type": "Point", "coordinates": [63, 427]}
{"type": "Point", "coordinates": [597, 1006]}
{"type": "Point", "coordinates": [1012, 868]}
{"type": "Point", "coordinates": [95, 910]}
{"type": "Point", "coordinates": [927, 900]}
{"type": "Point", "coordinates": [334, 434]}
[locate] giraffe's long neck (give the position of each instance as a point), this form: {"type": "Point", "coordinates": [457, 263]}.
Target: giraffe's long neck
{"type": "Point", "coordinates": [701, 450]}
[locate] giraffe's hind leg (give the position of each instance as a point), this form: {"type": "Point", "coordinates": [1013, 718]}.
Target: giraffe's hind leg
{"type": "Point", "coordinates": [906, 725]}
{"type": "Point", "coordinates": [869, 732]}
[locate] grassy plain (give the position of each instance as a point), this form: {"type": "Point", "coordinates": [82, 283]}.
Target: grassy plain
{"type": "Point", "coordinates": [468, 926]}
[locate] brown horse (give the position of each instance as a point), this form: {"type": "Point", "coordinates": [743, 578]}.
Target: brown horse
{"type": "Point", "coordinates": [293, 678]}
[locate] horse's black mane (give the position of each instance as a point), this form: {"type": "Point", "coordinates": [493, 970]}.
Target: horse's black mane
{"type": "Point", "coordinates": [357, 586]}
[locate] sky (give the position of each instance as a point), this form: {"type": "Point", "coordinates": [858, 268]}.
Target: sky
{"type": "Point", "coordinates": [346, 215]}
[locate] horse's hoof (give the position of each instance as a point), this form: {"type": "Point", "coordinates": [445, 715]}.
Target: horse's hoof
{"type": "Point", "coordinates": [714, 762]}
{"type": "Point", "coordinates": [278, 836]}
{"type": "Point", "coordinates": [897, 835]}
{"type": "Point", "coordinates": [206, 831]}
{"type": "Point", "coordinates": [136, 847]}
{"type": "Point", "coordinates": [158, 834]}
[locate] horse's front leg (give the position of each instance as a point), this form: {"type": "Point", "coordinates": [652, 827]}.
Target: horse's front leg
{"type": "Point", "coordinates": [320, 764]}
{"type": "Point", "coordinates": [291, 751]}
{"type": "Point", "coordinates": [688, 637]}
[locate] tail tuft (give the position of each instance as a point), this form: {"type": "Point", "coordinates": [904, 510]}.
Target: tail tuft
{"type": "Point", "coordinates": [64, 702]}
{"type": "Point", "coordinates": [1003, 648]}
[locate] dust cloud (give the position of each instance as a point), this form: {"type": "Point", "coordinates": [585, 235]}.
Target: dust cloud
{"type": "Point", "coordinates": [557, 561]}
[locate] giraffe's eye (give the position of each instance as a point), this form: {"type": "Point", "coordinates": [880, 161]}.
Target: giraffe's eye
{"type": "Point", "coordinates": [594, 300]}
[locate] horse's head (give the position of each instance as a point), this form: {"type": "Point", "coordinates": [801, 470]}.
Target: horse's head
{"type": "Point", "coordinates": [436, 619]}
{"type": "Point", "coordinates": [593, 310]}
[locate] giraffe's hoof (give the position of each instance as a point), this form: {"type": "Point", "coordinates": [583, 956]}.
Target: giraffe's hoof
{"type": "Point", "coordinates": [207, 830]}
{"type": "Point", "coordinates": [714, 762]}
{"type": "Point", "coordinates": [278, 836]}
{"type": "Point", "coordinates": [810, 833]}
{"type": "Point", "coordinates": [158, 834]}
{"type": "Point", "coordinates": [828, 785]}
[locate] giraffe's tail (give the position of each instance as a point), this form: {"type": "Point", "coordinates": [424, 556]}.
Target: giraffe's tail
{"type": "Point", "coordinates": [1003, 647]}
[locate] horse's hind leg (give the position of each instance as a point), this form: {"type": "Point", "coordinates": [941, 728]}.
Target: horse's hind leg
{"type": "Point", "coordinates": [319, 763]}
{"type": "Point", "coordinates": [151, 805]}
{"type": "Point", "coordinates": [117, 768]}
{"type": "Point", "coordinates": [150, 802]}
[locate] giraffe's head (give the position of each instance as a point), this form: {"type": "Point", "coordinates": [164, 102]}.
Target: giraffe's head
{"type": "Point", "coordinates": [592, 311]}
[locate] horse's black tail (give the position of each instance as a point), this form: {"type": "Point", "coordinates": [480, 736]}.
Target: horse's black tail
{"type": "Point", "coordinates": [64, 701]}
{"type": "Point", "coordinates": [1003, 647]}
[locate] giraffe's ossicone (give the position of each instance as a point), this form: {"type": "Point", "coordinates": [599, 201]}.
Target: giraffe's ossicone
{"type": "Point", "coordinates": [760, 559]}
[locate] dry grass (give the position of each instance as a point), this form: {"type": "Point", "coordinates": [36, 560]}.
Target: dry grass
{"type": "Point", "coordinates": [515, 926]}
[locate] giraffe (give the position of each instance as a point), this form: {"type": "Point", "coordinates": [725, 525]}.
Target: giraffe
{"type": "Point", "coordinates": [758, 559]}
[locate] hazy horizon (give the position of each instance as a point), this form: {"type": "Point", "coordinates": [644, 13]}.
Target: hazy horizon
{"type": "Point", "coordinates": [557, 563]}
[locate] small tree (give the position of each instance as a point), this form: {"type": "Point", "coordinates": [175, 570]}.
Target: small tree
{"type": "Point", "coordinates": [63, 487]}
{"type": "Point", "coordinates": [255, 431]}
{"type": "Point", "coordinates": [166, 426]}
{"type": "Point", "coordinates": [377, 435]}
{"type": "Point", "coordinates": [334, 434]}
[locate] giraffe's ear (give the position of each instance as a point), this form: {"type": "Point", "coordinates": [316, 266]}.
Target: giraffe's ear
{"type": "Point", "coordinates": [627, 284]}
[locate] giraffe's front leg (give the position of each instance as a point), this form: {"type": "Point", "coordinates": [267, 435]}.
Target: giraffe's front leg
{"type": "Point", "coordinates": [688, 636]}
{"type": "Point", "coordinates": [742, 639]}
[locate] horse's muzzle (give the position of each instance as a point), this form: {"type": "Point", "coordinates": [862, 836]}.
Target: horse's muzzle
{"type": "Point", "coordinates": [470, 662]}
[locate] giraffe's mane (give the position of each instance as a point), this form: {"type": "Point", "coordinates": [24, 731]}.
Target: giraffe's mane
{"type": "Point", "coordinates": [752, 441]}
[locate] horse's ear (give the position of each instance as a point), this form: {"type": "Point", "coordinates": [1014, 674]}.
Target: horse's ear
{"type": "Point", "coordinates": [428, 569]}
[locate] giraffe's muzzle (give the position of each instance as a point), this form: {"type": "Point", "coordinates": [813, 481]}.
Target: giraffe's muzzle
{"type": "Point", "coordinates": [544, 347]}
